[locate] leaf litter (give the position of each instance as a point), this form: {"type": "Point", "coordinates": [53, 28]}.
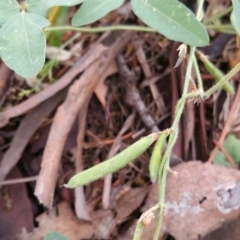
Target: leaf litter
{"type": "Point", "coordinates": [200, 192]}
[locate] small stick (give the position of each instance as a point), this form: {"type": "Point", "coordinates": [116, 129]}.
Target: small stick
{"type": "Point", "coordinates": [18, 180]}
{"type": "Point", "coordinates": [227, 125]}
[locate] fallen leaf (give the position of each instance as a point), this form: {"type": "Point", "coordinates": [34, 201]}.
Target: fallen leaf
{"type": "Point", "coordinates": [101, 88]}
{"type": "Point", "coordinates": [61, 220]}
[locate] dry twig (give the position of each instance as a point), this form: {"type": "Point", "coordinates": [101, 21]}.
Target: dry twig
{"type": "Point", "coordinates": [63, 82]}
{"type": "Point", "coordinates": [67, 112]}
{"type": "Point", "coordinates": [148, 74]}
{"type": "Point", "coordinates": [227, 126]}
{"type": "Point", "coordinates": [80, 202]}
{"type": "Point", "coordinates": [27, 128]}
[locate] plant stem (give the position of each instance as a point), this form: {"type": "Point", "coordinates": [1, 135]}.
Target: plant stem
{"type": "Point", "coordinates": [222, 27]}
{"type": "Point", "coordinates": [164, 167]}
{"type": "Point", "coordinates": [199, 12]}
{"type": "Point", "coordinates": [219, 15]}
{"type": "Point", "coordinates": [138, 230]}
{"type": "Point", "coordinates": [188, 74]}
{"type": "Point", "coordinates": [221, 82]}
{"type": "Point", "coordinates": [144, 221]}
{"type": "Point", "coordinates": [198, 75]}
{"type": "Point", "coordinates": [159, 224]}
{"type": "Point", "coordinates": [101, 29]}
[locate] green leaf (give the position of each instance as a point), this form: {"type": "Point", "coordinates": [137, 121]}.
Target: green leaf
{"type": "Point", "coordinates": [232, 146]}
{"type": "Point", "coordinates": [23, 43]}
{"type": "Point", "coordinates": [172, 19]}
{"type": "Point", "coordinates": [221, 160]}
{"type": "Point", "coordinates": [235, 15]}
{"type": "Point", "coordinates": [235, 23]}
{"type": "Point", "coordinates": [54, 236]}
{"type": "Point", "coordinates": [41, 6]}
{"type": "Point", "coordinates": [8, 8]}
{"type": "Point", "coordinates": [92, 10]}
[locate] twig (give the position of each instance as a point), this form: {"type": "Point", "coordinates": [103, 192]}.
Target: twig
{"type": "Point", "coordinates": [130, 79]}
{"type": "Point", "coordinates": [27, 128]}
{"type": "Point", "coordinates": [227, 125]}
{"type": "Point", "coordinates": [80, 202]}
{"type": "Point", "coordinates": [64, 81]}
{"type": "Point", "coordinates": [226, 154]}
{"type": "Point", "coordinates": [114, 149]}
{"type": "Point", "coordinates": [18, 180]}
{"type": "Point", "coordinates": [101, 143]}
{"type": "Point", "coordinates": [146, 69]}
{"type": "Point", "coordinates": [66, 114]}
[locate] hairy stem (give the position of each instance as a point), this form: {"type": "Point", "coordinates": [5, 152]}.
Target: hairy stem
{"type": "Point", "coordinates": [219, 15]}
{"type": "Point", "coordinates": [100, 29]}
{"type": "Point", "coordinates": [218, 85]}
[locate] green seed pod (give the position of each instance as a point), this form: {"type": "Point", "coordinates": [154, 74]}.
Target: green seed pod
{"type": "Point", "coordinates": [215, 72]}
{"type": "Point", "coordinates": [157, 156]}
{"type": "Point", "coordinates": [113, 164]}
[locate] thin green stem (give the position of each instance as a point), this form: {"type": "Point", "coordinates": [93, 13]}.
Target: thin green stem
{"type": "Point", "coordinates": [144, 221]}
{"type": "Point", "coordinates": [199, 12]}
{"type": "Point", "coordinates": [188, 71]}
{"type": "Point", "coordinates": [226, 78]}
{"type": "Point", "coordinates": [101, 29]}
{"type": "Point", "coordinates": [198, 75]}
{"type": "Point", "coordinates": [159, 224]}
{"type": "Point", "coordinates": [138, 230]}
{"type": "Point", "coordinates": [219, 15]}
{"type": "Point", "coordinates": [164, 166]}
{"type": "Point", "coordinates": [222, 27]}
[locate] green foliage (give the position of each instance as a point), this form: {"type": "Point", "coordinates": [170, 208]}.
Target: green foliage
{"type": "Point", "coordinates": [55, 38]}
{"type": "Point", "coordinates": [55, 236]}
{"type": "Point", "coordinates": [7, 10]}
{"type": "Point", "coordinates": [92, 10]}
{"type": "Point", "coordinates": [41, 6]}
{"type": "Point", "coordinates": [235, 15]}
{"type": "Point", "coordinates": [172, 19]}
{"type": "Point", "coordinates": [232, 146]}
{"type": "Point", "coordinates": [22, 43]}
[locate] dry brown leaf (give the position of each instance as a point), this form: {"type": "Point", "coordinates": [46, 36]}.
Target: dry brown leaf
{"type": "Point", "coordinates": [127, 202]}
{"type": "Point", "coordinates": [101, 89]}
{"type": "Point", "coordinates": [103, 220]}
{"type": "Point", "coordinates": [61, 220]}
